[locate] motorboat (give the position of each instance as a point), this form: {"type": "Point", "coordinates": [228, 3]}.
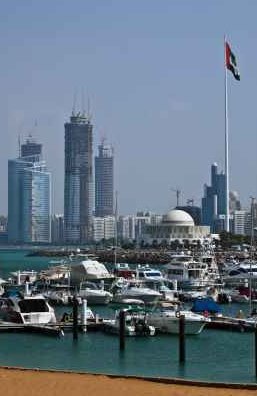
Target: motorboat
{"type": "Point", "coordinates": [166, 318]}
{"type": "Point", "coordinates": [26, 309]}
{"type": "Point", "coordinates": [135, 289]}
{"type": "Point", "coordinates": [89, 270]}
{"type": "Point", "coordinates": [58, 295]}
{"type": "Point", "coordinates": [192, 272]}
{"type": "Point", "coordinates": [94, 294]}
{"type": "Point", "coordinates": [20, 277]}
{"type": "Point", "coordinates": [136, 324]}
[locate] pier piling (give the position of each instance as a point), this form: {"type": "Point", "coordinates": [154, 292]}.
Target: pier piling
{"type": "Point", "coordinates": [255, 339]}
{"type": "Point", "coordinates": [122, 329]}
{"type": "Point", "coordinates": [75, 317]}
{"type": "Point", "coordinates": [182, 348]}
{"type": "Point", "coordinates": [84, 315]}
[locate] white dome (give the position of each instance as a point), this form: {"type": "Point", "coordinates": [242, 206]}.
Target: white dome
{"type": "Point", "coordinates": [178, 217]}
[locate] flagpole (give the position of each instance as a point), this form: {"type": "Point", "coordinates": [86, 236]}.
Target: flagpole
{"type": "Point", "coordinates": [226, 143]}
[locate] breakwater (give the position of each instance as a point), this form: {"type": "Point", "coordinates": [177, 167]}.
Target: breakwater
{"type": "Point", "coordinates": [108, 256]}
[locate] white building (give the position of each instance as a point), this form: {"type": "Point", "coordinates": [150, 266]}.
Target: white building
{"type": "Point", "coordinates": [176, 225]}
{"type": "Point", "coordinates": [239, 222]}
{"type": "Point", "coordinates": [103, 228]}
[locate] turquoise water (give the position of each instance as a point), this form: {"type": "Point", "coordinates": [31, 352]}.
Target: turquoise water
{"type": "Point", "coordinates": [212, 355]}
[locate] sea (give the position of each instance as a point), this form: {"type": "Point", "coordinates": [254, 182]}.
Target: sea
{"type": "Point", "coordinates": [213, 355]}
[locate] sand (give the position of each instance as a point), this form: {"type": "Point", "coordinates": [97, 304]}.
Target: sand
{"type": "Point", "coordinates": [16, 382]}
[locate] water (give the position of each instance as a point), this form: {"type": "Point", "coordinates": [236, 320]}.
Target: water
{"type": "Point", "coordinates": [211, 356]}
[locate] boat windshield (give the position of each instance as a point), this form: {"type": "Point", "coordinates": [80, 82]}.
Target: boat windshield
{"type": "Point", "coordinates": [35, 305]}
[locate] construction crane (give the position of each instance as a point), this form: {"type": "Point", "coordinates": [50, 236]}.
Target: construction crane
{"type": "Point", "coordinates": [178, 193]}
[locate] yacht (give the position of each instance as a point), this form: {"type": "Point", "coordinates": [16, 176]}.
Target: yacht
{"type": "Point", "coordinates": [124, 289]}
{"type": "Point", "coordinates": [29, 310]}
{"type": "Point", "coordinates": [192, 272]}
{"type": "Point", "coordinates": [94, 294]}
{"type": "Point", "coordinates": [89, 270]}
{"type": "Point", "coordinates": [166, 318]}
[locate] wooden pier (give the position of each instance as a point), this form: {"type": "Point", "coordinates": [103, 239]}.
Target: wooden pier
{"type": "Point", "coordinates": [55, 329]}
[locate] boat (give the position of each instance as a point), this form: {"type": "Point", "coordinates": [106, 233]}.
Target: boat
{"type": "Point", "coordinates": [21, 277]}
{"type": "Point", "coordinates": [136, 323]}
{"type": "Point", "coordinates": [166, 318]}
{"type": "Point", "coordinates": [94, 294]}
{"type": "Point", "coordinates": [28, 310]}
{"type": "Point", "coordinates": [192, 272]}
{"type": "Point", "coordinates": [58, 295]}
{"type": "Point", "coordinates": [134, 288]}
{"type": "Point", "coordinates": [89, 270]}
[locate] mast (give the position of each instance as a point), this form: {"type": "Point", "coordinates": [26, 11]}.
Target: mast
{"type": "Point", "coordinates": [116, 228]}
{"type": "Point", "coordinates": [226, 142]}
{"type": "Point", "coordinates": [251, 254]}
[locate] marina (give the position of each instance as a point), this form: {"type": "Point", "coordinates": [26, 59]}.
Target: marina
{"type": "Point", "coordinates": [94, 351]}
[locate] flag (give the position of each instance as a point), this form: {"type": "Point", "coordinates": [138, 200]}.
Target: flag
{"type": "Point", "coordinates": [231, 63]}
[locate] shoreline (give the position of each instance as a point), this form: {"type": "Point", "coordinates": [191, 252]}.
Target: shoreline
{"type": "Point", "coordinates": [26, 382]}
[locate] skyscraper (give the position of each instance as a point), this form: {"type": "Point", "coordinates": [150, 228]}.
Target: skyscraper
{"type": "Point", "coordinates": [214, 200]}
{"type": "Point", "coordinates": [104, 181]}
{"type": "Point", "coordinates": [31, 148]}
{"type": "Point", "coordinates": [78, 185]}
{"type": "Point", "coordinates": [29, 203]}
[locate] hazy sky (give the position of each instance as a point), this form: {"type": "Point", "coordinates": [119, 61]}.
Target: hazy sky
{"type": "Point", "coordinates": [154, 71]}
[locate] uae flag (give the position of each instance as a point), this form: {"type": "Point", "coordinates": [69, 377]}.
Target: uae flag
{"type": "Point", "coordinates": [231, 63]}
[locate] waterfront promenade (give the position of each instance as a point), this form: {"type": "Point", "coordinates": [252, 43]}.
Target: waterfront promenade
{"type": "Point", "coordinates": [20, 382]}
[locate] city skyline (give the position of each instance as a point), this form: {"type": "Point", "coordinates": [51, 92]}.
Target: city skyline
{"type": "Point", "coordinates": [154, 75]}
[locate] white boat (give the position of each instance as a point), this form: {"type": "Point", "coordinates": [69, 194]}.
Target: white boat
{"type": "Point", "coordinates": [20, 277]}
{"type": "Point", "coordinates": [134, 289]}
{"type": "Point", "coordinates": [58, 295]}
{"type": "Point", "coordinates": [166, 318]}
{"type": "Point", "coordinates": [28, 310]}
{"type": "Point", "coordinates": [94, 294]}
{"type": "Point", "coordinates": [191, 273]}
{"type": "Point", "coordinates": [135, 324]}
{"type": "Point", "coordinates": [89, 270]}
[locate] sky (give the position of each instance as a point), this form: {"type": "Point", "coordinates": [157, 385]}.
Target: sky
{"type": "Point", "coordinates": [154, 73]}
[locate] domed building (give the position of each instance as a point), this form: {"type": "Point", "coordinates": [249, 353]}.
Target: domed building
{"type": "Point", "coordinates": [176, 226]}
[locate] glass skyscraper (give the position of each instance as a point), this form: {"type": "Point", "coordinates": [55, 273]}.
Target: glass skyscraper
{"type": "Point", "coordinates": [104, 186]}
{"type": "Point", "coordinates": [214, 200]}
{"type": "Point", "coordinates": [78, 185]}
{"type": "Point", "coordinates": [29, 202]}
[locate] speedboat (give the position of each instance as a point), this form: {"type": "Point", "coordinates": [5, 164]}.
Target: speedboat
{"type": "Point", "coordinates": [135, 324]}
{"type": "Point", "coordinates": [28, 310]}
{"type": "Point", "coordinates": [166, 318]}
{"type": "Point", "coordinates": [93, 294]}
{"type": "Point", "coordinates": [134, 289]}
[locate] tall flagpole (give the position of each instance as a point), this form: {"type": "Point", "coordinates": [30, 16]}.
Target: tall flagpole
{"type": "Point", "coordinates": [226, 142]}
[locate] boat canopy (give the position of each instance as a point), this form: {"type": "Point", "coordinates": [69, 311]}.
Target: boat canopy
{"type": "Point", "coordinates": [205, 304]}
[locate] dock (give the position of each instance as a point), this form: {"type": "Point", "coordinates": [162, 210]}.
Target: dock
{"type": "Point", "coordinates": [55, 329]}
{"type": "Point", "coordinates": [231, 324]}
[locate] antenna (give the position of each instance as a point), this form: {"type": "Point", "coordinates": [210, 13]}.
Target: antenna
{"type": "Point", "coordinates": [178, 193]}
{"type": "Point", "coordinates": [19, 145]}
{"type": "Point", "coordinates": [83, 102]}
{"type": "Point", "coordinates": [89, 116]}
{"type": "Point", "coordinates": [74, 104]}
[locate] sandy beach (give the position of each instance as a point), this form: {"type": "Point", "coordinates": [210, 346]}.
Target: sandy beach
{"type": "Point", "coordinates": [16, 382]}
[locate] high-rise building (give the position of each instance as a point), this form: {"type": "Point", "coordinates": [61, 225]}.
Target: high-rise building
{"type": "Point", "coordinates": [57, 229]}
{"type": "Point", "coordinates": [104, 185]}
{"type": "Point", "coordinates": [214, 200]}
{"type": "Point", "coordinates": [29, 204]}
{"type": "Point", "coordinates": [239, 222]}
{"type": "Point", "coordinates": [78, 188]}
{"type": "Point", "coordinates": [31, 148]}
